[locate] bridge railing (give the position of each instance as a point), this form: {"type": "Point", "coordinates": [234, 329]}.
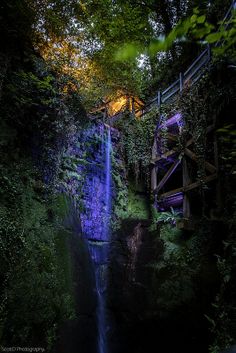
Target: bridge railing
{"type": "Point", "coordinates": [191, 75]}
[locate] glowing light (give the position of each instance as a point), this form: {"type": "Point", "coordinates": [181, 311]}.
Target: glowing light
{"type": "Point", "coordinates": [175, 119]}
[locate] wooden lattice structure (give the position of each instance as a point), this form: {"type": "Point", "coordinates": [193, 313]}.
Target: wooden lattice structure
{"type": "Point", "coordinates": [174, 165]}
{"type": "Point", "coordinates": [174, 162]}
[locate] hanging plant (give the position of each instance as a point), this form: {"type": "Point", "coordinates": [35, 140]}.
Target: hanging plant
{"type": "Point", "coordinates": [137, 139]}
{"type": "Point", "coordinates": [194, 111]}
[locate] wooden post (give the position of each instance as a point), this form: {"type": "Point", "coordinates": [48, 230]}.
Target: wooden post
{"type": "Point", "coordinates": [180, 81]}
{"type": "Point", "coordinates": [154, 178]}
{"type": "Point", "coordinates": [186, 181]}
{"type": "Point", "coordinates": [168, 174]}
{"type": "Point", "coordinates": [159, 99]}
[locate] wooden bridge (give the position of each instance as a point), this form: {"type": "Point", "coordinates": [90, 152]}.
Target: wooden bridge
{"type": "Point", "coordinates": [172, 176]}
{"type": "Point", "coordinates": [174, 167]}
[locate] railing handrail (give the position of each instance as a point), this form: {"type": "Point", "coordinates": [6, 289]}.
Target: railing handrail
{"type": "Point", "coordinates": [196, 61]}
{"type": "Point", "coordinates": [172, 85]}
{"type": "Point", "coordinates": [188, 71]}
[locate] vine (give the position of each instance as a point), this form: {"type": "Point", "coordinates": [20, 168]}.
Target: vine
{"type": "Point", "coordinates": [137, 139]}
{"type": "Point", "coordinates": [193, 106]}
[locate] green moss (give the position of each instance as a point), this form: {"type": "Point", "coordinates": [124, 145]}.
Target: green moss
{"type": "Point", "coordinates": [64, 261]}
{"type": "Point", "coordinates": [35, 266]}
{"type": "Point", "coordinates": [137, 204]}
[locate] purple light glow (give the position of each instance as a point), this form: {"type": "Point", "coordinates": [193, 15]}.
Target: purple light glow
{"type": "Point", "coordinates": [176, 119]}
{"type": "Point", "coordinates": [90, 183]}
{"type": "Point", "coordinates": [101, 252]}
{"type": "Point", "coordinates": [97, 189]}
{"type": "Point", "coordinates": [171, 201]}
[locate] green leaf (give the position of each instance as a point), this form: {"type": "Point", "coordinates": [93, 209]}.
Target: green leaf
{"type": "Point", "coordinates": [201, 19]}
{"type": "Point", "coordinates": [210, 320]}
{"type": "Point", "coordinates": [214, 37]}
{"type": "Point", "coordinates": [193, 18]}
{"type": "Point", "coordinates": [128, 51]}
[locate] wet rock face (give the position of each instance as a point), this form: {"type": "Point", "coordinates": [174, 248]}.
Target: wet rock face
{"type": "Point", "coordinates": [130, 278]}
{"type": "Point", "coordinates": [134, 243]}
{"type": "Point", "coordinates": [79, 334]}
{"type": "Point", "coordinates": [85, 180]}
{"type": "Point", "coordinates": [141, 321]}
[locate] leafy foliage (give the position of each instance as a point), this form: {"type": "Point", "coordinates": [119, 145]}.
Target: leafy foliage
{"type": "Point", "coordinates": [35, 268]}
{"type": "Point", "coordinates": [137, 139]}
{"type": "Point", "coordinates": [195, 27]}
{"type": "Point", "coordinates": [165, 217]}
{"type": "Point", "coordinates": [222, 321]}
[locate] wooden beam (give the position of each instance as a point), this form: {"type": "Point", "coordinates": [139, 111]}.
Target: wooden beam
{"type": "Point", "coordinates": [165, 155]}
{"type": "Point", "coordinates": [168, 174]}
{"type": "Point", "coordinates": [154, 178]}
{"type": "Point", "coordinates": [172, 137]}
{"type": "Point", "coordinates": [188, 187]}
{"type": "Point", "coordinates": [210, 167]}
{"type": "Point", "coordinates": [189, 142]}
{"type": "Point", "coordinates": [170, 152]}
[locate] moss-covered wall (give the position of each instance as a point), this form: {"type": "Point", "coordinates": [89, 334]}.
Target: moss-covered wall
{"type": "Point", "coordinates": [35, 268]}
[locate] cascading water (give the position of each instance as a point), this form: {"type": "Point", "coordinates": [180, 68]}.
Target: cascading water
{"type": "Point", "coordinates": [99, 242]}
{"type": "Point", "coordinates": [108, 184]}
{"type": "Point", "coordinates": [101, 271]}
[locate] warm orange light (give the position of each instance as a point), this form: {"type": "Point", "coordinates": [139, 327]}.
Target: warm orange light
{"type": "Point", "coordinates": [124, 102]}
{"type": "Point", "coordinates": [116, 106]}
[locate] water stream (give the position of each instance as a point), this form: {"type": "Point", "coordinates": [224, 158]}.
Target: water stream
{"type": "Point", "coordinates": [99, 248]}
{"type": "Point", "coordinates": [101, 272]}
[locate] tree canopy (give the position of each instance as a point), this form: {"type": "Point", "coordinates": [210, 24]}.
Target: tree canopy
{"type": "Point", "coordinates": [109, 46]}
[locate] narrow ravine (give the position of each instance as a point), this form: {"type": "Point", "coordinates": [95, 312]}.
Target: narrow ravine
{"type": "Point", "coordinates": [117, 176]}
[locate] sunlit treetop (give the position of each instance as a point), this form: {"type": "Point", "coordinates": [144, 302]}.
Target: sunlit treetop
{"type": "Point", "coordinates": [114, 45]}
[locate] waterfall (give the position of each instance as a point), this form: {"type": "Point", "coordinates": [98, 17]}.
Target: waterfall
{"type": "Point", "coordinates": [108, 185]}
{"type": "Point", "coordinates": [99, 245]}
{"type": "Point", "coordinates": [101, 272]}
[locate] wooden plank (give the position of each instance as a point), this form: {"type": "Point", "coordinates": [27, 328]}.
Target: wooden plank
{"type": "Point", "coordinates": [172, 137]}
{"type": "Point", "coordinates": [188, 187]}
{"type": "Point", "coordinates": [210, 167]}
{"type": "Point", "coordinates": [168, 174]}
